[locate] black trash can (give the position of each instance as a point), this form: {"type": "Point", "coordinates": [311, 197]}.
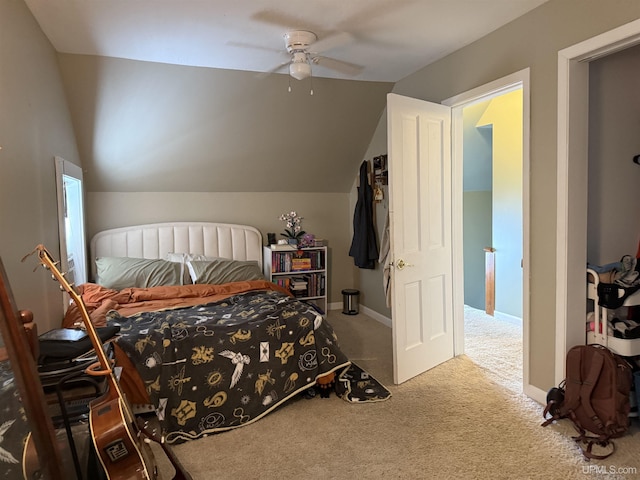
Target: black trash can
{"type": "Point", "coordinates": [350, 301]}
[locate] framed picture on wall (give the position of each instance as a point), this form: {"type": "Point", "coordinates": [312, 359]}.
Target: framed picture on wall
{"type": "Point", "coordinates": [380, 172]}
{"type": "Point", "coordinates": [379, 164]}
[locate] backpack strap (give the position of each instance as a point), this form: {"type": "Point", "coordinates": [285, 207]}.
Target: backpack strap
{"type": "Point", "coordinates": [590, 442]}
{"type": "Point", "coordinates": [587, 388]}
{"type": "Point", "coordinates": [552, 406]}
{"type": "Point", "coordinates": [573, 382]}
{"type": "Point", "coordinates": [578, 390]}
{"type": "Point", "coordinates": [555, 399]}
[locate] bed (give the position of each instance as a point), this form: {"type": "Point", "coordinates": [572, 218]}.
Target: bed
{"type": "Point", "coordinates": [204, 338]}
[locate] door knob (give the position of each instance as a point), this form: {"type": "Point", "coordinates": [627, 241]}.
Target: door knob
{"type": "Point", "coordinates": [400, 264]}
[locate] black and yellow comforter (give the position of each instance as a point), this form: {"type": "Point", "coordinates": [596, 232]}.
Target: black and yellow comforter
{"type": "Point", "coordinates": [222, 365]}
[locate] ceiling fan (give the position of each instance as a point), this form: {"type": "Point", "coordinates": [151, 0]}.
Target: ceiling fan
{"type": "Point", "coordinates": [305, 48]}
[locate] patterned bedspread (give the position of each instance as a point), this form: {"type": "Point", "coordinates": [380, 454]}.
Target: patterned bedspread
{"type": "Point", "coordinates": [213, 367]}
{"type": "Point", "coordinates": [13, 425]}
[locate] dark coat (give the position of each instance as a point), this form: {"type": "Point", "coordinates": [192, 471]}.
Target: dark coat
{"type": "Point", "coordinates": [364, 246]}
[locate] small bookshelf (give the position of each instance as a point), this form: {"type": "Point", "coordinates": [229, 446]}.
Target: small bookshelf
{"type": "Point", "coordinates": [303, 272]}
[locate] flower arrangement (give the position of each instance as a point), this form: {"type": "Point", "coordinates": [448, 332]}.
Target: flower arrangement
{"type": "Point", "coordinates": [293, 228]}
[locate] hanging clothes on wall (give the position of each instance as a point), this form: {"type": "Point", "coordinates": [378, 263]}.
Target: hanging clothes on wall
{"type": "Point", "coordinates": [385, 260]}
{"type": "Point", "coordinates": [364, 246]}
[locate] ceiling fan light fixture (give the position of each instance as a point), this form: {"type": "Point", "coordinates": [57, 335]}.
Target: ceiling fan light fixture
{"type": "Point", "coordinates": [298, 40]}
{"type": "Point", "coordinates": [300, 70]}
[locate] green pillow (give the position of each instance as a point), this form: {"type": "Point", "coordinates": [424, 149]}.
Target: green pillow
{"type": "Point", "coordinates": [223, 270]}
{"type": "Point", "coordinates": [124, 272]}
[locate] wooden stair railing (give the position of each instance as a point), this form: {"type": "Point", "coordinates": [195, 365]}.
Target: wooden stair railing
{"type": "Point", "coordinates": [489, 280]}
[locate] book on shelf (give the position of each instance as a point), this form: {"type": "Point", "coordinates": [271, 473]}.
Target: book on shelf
{"type": "Point", "coordinates": [283, 247]}
{"type": "Point", "coordinates": [303, 263]}
{"type": "Point", "coordinates": [284, 282]}
{"type": "Point", "coordinates": [298, 283]}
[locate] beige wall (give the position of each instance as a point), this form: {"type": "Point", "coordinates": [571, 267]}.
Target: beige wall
{"type": "Point", "coordinates": [530, 41]}
{"type": "Point", "coordinates": [325, 215]}
{"type": "Point", "coordinates": [153, 127]}
{"type": "Point", "coordinates": [369, 282]}
{"type": "Point", "coordinates": [477, 235]}
{"type": "Point", "coordinates": [34, 127]}
{"type": "Point", "coordinates": [614, 139]}
{"type": "Point", "coordinates": [504, 113]}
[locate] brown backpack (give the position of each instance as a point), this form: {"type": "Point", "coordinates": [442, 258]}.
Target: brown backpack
{"type": "Point", "coordinates": [594, 396]}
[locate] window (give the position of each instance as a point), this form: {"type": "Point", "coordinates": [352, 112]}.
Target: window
{"type": "Point", "coordinates": [73, 256]}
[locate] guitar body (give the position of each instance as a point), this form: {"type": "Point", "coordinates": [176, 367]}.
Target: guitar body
{"type": "Point", "coordinates": [31, 468]}
{"type": "Point", "coordinates": [30, 462]}
{"type": "Point", "coordinates": [119, 446]}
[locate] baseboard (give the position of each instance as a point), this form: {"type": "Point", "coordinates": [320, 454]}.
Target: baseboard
{"type": "Point", "coordinates": [535, 393]}
{"type": "Point", "coordinates": [508, 318]}
{"type": "Point", "coordinates": [376, 316]}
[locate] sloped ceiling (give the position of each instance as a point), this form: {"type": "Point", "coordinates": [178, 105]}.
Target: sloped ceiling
{"type": "Point", "coordinates": [166, 95]}
{"type": "Point", "coordinates": [145, 126]}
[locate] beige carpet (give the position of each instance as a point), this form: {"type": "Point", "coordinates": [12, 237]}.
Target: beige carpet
{"type": "Point", "coordinates": [456, 421]}
{"type": "Point", "coordinates": [495, 345]}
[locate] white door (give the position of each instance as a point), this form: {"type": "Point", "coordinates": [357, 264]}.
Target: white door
{"type": "Point", "coordinates": [419, 143]}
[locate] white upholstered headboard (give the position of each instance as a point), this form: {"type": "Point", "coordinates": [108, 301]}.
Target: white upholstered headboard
{"type": "Point", "coordinates": [239, 242]}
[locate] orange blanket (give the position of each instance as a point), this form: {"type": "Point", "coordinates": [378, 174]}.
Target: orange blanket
{"type": "Point", "coordinates": [99, 300]}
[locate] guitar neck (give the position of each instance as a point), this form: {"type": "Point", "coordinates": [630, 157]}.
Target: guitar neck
{"type": "Point", "coordinates": [91, 330]}
{"type": "Point", "coordinates": [105, 368]}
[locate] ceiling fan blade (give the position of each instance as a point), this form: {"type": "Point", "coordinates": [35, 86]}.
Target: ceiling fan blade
{"type": "Point", "coordinates": [254, 47]}
{"type": "Point", "coordinates": [331, 41]}
{"type": "Point", "coordinates": [274, 69]}
{"type": "Point", "coordinates": [338, 65]}
{"type": "Point", "coordinates": [371, 12]}
{"type": "Point", "coordinates": [286, 21]}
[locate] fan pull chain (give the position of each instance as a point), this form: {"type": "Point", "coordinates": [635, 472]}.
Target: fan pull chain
{"type": "Point", "coordinates": [289, 84]}
{"type": "Point", "coordinates": [311, 80]}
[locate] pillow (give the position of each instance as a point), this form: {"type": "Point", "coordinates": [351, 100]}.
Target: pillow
{"type": "Point", "coordinates": [182, 259]}
{"type": "Point", "coordinates": [223, 270]}
{"type": "Point", "coordinates": [124, 272]}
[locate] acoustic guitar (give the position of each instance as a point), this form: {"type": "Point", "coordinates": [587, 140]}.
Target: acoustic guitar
{"type": "Point", "coordinates": [119, 440]}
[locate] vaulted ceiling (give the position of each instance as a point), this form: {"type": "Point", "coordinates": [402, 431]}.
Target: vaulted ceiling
{"type": "Point", "coordinates": [175, 95]}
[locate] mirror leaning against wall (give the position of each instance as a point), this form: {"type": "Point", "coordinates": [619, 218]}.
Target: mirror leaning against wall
{"type": "Point", "coordinates": [71, 225]}
{"type": "Point", "coordinates": [28, 447]}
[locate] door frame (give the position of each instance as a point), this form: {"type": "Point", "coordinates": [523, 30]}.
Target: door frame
{"type": "Point", "coordinates": [572, 190]}
{"type": "Point", "coordinates": [516, 80]}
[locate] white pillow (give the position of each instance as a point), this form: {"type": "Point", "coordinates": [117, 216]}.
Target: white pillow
{"type": "Point", "coordinates": [182, 259]}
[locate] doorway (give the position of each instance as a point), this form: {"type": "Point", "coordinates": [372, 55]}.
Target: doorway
{"type": "Point", "coordinates": [573, 135]}
{"type": "Point", "coordinates": [492, 235]}
{"type": "Point", "coordinates": [516, 82]}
